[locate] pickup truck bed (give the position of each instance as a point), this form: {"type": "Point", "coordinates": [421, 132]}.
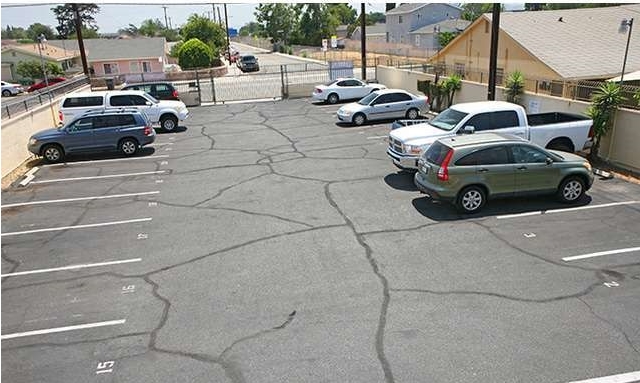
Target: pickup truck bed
{"type": "Point", "coordinates": [553, 118]}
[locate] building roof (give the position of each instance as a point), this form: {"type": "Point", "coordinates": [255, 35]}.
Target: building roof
{"type": "Point", "coordinates": [576, 43]}
{"type": "Point", "coordinates": [49, 51]}
{"type": "Point", "coordinates": [633, 76]}
{"type": "Point", "coordinates": [375, 29]}
{"type": "Point", "coordinates": [411, 7]}
{"type": "Point", "coordinates": [450, 25]}
{"type": "Point", "coordinates": [118, 49]}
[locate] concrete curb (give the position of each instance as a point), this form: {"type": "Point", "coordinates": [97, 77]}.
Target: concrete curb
{"type": "Point", "coordinates": [301, 58]}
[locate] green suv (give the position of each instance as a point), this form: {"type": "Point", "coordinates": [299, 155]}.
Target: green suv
{"type": "Point", "coordinates": [467, 170]}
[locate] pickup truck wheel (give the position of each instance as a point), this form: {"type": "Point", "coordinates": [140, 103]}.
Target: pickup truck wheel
{"type": "Point", "coordinates": [359, 119]}
{"type": "Point", "coordinates": [412, 114]}
{"type": "Point", "coordinates": [571, 189]}
{"type": "Point", "coordinates": [52, 153]}
{"type": "Point", "coordinates": [128, 146]}
{"type": "Point", "coordinates": [168, 123]}
{"type": "Point", "coordinates": [471, 199]}
{"type": "Point", "coordinates": [333, 98]}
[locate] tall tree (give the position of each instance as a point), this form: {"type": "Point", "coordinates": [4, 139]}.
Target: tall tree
{"type": "Point", "coordinates": [151, 28]}
{"type": "Point", "coordinates": [14, 33]}
{"type": "Point", "coordinates": [249, 29]}
{"type": "Point", "coordinates": [316, 23]}
{"type": "Point", "coordinates": [38, 29]}
{"type": "Point", "coordinates": [343, 12]}
{"type": "Point", "coordinates": [375, 17]}
{"type": "Point", "coordinates": [471, 11]}
{"type": "Point", "coordinates": [205, 30]}
{"type": "Point", "coordinates": [277, 21]}
{"type": "Point", "coordinates": [65, 16]}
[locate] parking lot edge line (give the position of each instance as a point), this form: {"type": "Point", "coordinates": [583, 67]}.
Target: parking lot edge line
{"type": "Point", "coordinates": [99, 177]}
{"type": "Point", "coordinates": [63, 329]}
{"type": "Point", "coordinates": [628, 377]}
{"type": "Point", "coordinates": [77, 199]}
{"type": "Point", "coordinates": [75, 227]}
{"type": "Point", "coordinates": [112, 160]}
{"type": "Point", "coordinates": [601, 253]}
{"type": "Point", "coordinates": [72, 267]}
{"type": "Point", "coordinates": [567, 209]}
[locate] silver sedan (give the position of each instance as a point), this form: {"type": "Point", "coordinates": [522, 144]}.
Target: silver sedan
{"type": "Point", "coordinates": [384, 104]}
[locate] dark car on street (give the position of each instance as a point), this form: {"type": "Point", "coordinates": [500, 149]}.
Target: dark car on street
{"type": "Point", "coordinates": [159, 90]}
{"type": "Point", "coordinates": [248, 63]}
{"type": "Point", "coordinates": [43, 84]}
{"type": "Point", "coordinates": [125, 130]}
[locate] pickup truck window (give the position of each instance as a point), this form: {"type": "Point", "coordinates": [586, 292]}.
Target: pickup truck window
{"type": "Point", "coordinates": [494, 120]}
{"type": "Point", "coordinates": [448, 119]}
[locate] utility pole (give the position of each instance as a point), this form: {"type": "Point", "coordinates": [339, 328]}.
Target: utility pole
{"type": "Point", "coordinates": [219, 18]}
{"type": "Point", "coordinates": [78, 24]}
{"type": "Point", "coordinates": [166, 23]}
{"type": "Point", "coordinates": [363, 42]}
{"type": "Point", "coordinates": [213, 9]}
{"type": "Point", "coordinates": [493, 55]}
{"type": "Point", "coordinates": [226, 24]}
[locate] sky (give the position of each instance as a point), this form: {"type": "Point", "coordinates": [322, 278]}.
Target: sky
{"type": "Point", "coordinates": [114, 16]}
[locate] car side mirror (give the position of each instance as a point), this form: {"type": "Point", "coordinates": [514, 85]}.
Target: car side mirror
{"type": "Point", "coordinates": [469, 129]}
{"type": "Point", "coordinates": [148, 103]}
{"type": "Point", "coordinates": [548, 161]}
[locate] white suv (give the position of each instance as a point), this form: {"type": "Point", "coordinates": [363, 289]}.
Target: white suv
{"type": "Point", "coordinates": [165, 113]}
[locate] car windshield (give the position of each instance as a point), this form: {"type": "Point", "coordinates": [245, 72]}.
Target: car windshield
{"type": "Point", "coordinates": [366, 100]}
{"type": "Point", "coordinates": [153, 99]}
{"type": "Point", "coordinates": [248, 59]}
{"type": "Point", "coordinates": [448, 119]}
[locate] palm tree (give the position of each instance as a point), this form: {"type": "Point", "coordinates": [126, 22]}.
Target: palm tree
{"type": "Point", "coordinates": [514, 87]}
{"type": "Point", "coordinates": [604, 103]}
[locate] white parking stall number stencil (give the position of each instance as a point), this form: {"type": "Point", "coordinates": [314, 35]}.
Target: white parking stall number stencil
{"type": "Point", "coordinates": [164, 163]}
{"type": "Point", "coordinates": [529, 235]}
{"type": "Point", "coordinates": [153, 204]}
{"type": "Point", "coordinates": [128, 289]}
{"type": "Point", "coordinates": [612, 284]}
{"type": "Point", "coordinates": [143, 236]}
{"type": "Point", "coordinates": [105, 367]}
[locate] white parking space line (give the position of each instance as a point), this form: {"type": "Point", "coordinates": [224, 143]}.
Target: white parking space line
{"type": "Point", "coordinates": [601, 253]}
{"type": "Point", "coordinates": [101, 161]}
{"type": "Point", "coordinates": [77, 199]}
{"type": "Point", "coordinates": [29, 176]}
{"type": "Point", "coordinates": [161, 144]}
{"type": "Point", "coordinates": [76, 227]}
{"type": "Point", "coordinates": [376, 137]}
{"type": "Point", "coordinates": [63, 329]}
{"type": "Point", "coordinates": [541, 212]}
{"type": "Point", "coordinates": [628, 377]}
{"type": "Point", "coordinates": [99, 177]}
{"type": "Point", "coordinates": [72, 267]}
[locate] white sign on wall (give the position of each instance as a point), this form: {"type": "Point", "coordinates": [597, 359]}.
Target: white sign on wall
{"type": "Point", "coordinates": [534, 106]}
{"type": "Point", "coordinates": [324, 45]}
{"type": "Point", "coordinates": [334, 41]}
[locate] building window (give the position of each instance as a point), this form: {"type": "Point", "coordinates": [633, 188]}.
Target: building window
{"type": "Point", "coordinates": [146, 67]}
{"type": "Point", "coordinates": [133, 67]}
{"type": "Point", "coordinates": [110, 68]}
{"type": "Point", "coordinates": [458, 68]}
{"type": "Point", "coordinates": [499, 75]}
{"type": "Point", "coordinates": [13, 54]}
{"type": "Point", "coordinates": [399, 19]}
{"type": "Point", "coordinates": [417, 40]}
{"type": "Point", "coordinates": [387, 36]}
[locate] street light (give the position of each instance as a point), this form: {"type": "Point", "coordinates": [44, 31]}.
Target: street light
{"type": "Point", "coordinates": [41, 40]}
{"type": "Point", "coordinates": [623, 28]}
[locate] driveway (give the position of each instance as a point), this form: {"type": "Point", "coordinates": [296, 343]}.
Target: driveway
{"type": "Point", "coordinates": [264, 243]}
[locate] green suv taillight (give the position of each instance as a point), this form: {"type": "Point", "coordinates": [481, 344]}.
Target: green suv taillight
{"type": "Point", "coordinates": [443, 172]}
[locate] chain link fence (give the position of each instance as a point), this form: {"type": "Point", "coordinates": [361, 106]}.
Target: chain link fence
{"type": "Point", "coordinates": [44, 96]}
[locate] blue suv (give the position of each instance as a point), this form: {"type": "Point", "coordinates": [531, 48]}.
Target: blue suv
{"type": "Point", "coordinates": [125, 130]}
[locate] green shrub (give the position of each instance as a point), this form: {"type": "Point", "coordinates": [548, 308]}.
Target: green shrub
{"type": "Point", "coordinates": [195, 54]}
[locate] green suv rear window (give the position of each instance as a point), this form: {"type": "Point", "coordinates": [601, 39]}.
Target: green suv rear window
{"type": "Point", "coordinates": [436, 153]}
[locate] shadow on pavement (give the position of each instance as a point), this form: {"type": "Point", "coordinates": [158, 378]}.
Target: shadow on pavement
{"type": "Point", "coordinates": [402, 180]}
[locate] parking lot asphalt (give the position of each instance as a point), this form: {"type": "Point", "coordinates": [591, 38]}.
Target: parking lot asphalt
{"type": "Point", "coordinates": [263, 242]}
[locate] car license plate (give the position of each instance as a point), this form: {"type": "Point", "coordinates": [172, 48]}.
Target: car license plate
{"type": "Point", "coordinates": [424, 169]}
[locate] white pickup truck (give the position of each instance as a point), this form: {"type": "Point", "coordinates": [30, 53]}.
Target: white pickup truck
{"type": "Point", "coordinates": [555, 130]}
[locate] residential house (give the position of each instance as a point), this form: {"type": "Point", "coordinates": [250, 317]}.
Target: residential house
{"type": "Point", "coordinates": [110, 57]}
{"type": "Point", "coordinates": [549, 47]}
{"type": "Point", "coordinates": [375, 33]}
{"type": "Point", "coordinates": [427, 36]}
{"type": "Point", "coordinates": [410, 17]}
{"type": "Point", "coordinates": [13, 53]}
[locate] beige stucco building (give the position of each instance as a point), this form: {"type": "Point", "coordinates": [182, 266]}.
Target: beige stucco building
{"type": "Point", "coordinates": [571, 44]}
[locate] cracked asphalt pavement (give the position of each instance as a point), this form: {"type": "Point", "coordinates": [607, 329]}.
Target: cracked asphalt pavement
{"type": "Point", "coordinates": [265, 243]}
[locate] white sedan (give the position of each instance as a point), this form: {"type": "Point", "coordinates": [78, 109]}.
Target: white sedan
{"type": "Point", "coordinates": [344, 89]}
{"type": "Point", "coordinates": [9, 89]}
{"type": "Point", "coordinates": [384, 104]}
